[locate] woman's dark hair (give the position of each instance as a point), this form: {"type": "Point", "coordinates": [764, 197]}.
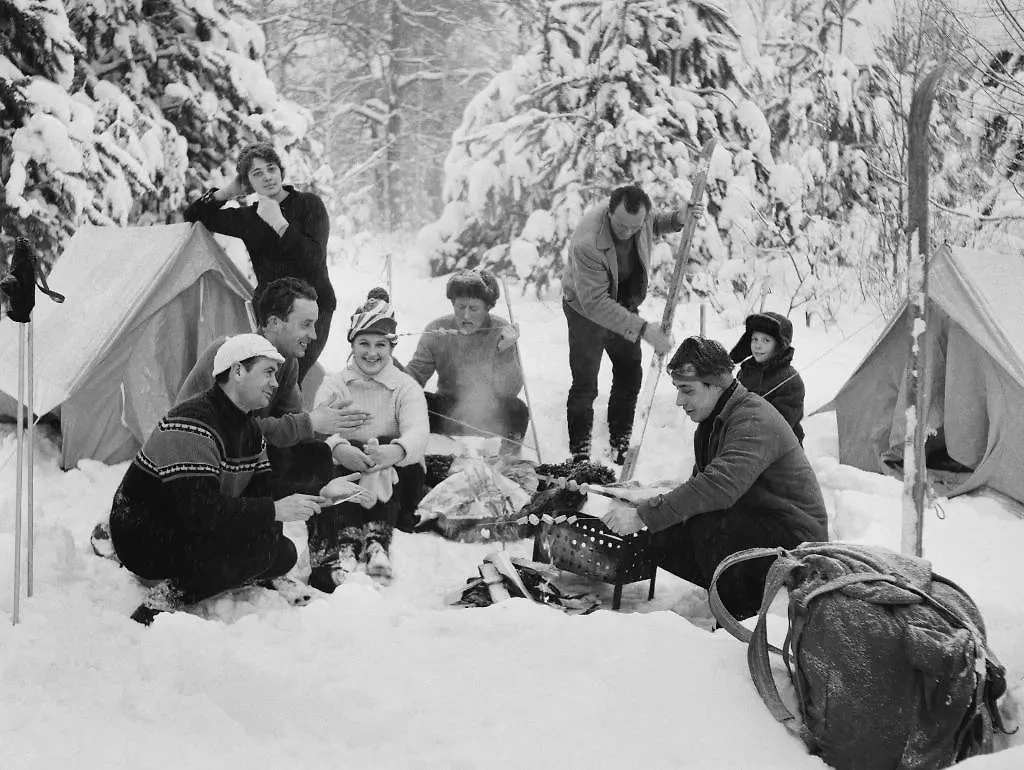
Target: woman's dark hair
{"type": "Point", "coordinates": [261, 150]}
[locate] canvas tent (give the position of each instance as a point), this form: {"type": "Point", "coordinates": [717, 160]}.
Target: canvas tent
{"type": "Point", "coordinates": [142, 302]}
{"type": "Point", "coordinates": [975, 376]}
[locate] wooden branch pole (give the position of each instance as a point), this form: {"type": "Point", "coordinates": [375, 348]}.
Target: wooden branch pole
{"type": "Point", "coordinates": [522, 371]}
{"type": "Point", "coordinates": [682, 252]}
{"type": "Point", "coordinates": [914, 461]}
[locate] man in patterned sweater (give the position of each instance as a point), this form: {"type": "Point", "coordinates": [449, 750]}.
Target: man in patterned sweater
{"type": "Point", "coordinates": [195, 509]}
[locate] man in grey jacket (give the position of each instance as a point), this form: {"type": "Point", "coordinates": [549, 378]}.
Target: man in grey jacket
{"type": "Point", "coordinates": [604, 281]}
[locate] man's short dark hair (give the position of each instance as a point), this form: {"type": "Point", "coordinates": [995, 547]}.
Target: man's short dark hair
{"type": "Point", "coordinates": [222, 377]}
{"type": "Point", "coordinates": [701, 359]}
{"type": "Point", "coordinates": [277, 299]}
{"type": "Point", "coordinates": [261, 150]}
{"type": "Point", "coordinates": [631, 196]}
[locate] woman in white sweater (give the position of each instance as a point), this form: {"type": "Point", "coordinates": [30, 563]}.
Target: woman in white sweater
{"type": "Point", "coordinates": [386, 450]}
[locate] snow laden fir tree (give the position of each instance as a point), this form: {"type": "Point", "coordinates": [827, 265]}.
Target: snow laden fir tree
{"type": "Point", "coordinates": [118, 111]}
{"type": "Point", "coordinates": [616, 92]}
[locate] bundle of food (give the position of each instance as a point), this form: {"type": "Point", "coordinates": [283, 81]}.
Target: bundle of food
{"type": "Point", "coordinates": [476, 503]}
{"type": "Point", "coordinates": [557, 492]}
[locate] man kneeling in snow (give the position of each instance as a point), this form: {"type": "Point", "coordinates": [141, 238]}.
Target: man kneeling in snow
{"type": "Point", "coordinates": [195, 508]}
{"type": "Point", "coordinates": [751, 486]}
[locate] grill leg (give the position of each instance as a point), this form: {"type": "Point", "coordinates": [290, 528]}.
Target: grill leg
{"type": "Point", "coordinates": [617, 596]}
{"type": "Point", "coordinates": [650, 592]}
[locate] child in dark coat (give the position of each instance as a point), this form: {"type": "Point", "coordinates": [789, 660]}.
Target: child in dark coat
{"type": "Point", "coordinates": [765, 355]}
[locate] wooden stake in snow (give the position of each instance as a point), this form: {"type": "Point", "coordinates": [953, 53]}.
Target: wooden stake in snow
{"type": "Point", "coordinates": [646, 400]}
{"type": "Point", "coordinates": [914, 470]}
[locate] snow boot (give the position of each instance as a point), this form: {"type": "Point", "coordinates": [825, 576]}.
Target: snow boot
{"type": "Point", "coordinates": [335, 571]}
{"type": "Point", "coordinates": [580, 450]}
{"type": "Point", "coordinates": [378, 562]}
{"type": "Point", "coordinates": [295, 592]}
{"type": "Point", "coordinates": [618, 448]}
{"type": "Point", "coordinates": [376, 552]}
{"type": "Point", "coordinates": [163, 597]}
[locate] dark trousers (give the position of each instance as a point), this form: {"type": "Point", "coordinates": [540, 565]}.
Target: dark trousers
{"type": "Point", "coordinates": [304, 467]}
{"type": "Point", "coordinates": [507, 417]}
{"type": "Point", "coordinates": [693, 549]}
{"type": "Point", "coordinates": [588, 341]}
{"type": "Point", "coordinates": [201, 567]}
{"type": "Point", "coordinates": [316, 347]}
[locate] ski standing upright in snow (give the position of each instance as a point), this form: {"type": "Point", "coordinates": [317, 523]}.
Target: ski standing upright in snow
{"type": "Point", "coordinates": [657, 360]}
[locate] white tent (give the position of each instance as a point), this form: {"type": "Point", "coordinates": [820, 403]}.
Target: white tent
{"type": "Point", "coordinates": [141, 303]}
{"type": "Point", "coordinates": [975, 375]}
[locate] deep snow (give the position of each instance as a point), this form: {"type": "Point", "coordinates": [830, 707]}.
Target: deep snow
{"type": "Point", "coordinates": [389, 677]}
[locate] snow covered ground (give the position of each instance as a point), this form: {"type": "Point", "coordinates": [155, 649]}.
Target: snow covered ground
{"type": "Point", "coordinates": [389, 677]}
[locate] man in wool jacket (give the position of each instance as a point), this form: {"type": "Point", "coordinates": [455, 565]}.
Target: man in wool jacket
{"type": "Point", "coordinates": [752, 486]}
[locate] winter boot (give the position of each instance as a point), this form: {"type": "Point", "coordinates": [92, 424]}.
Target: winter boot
{"type": "Point", "coordinates": [378, 562]}
{"type": "Point", "coordinates": [296, 593]}
{"type": "Point", "coordinates": [618, 447]}
{"type": "Point", "coordinates": [335, 570]}
{"type": "Point", "coordinates": [376, 553]}
{"type": "Point", "coordinates": [162, 597]}
{"type": "Point", "coordinates": [580, 450]}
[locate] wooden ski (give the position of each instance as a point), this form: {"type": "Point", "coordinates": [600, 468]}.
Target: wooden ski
{"type": "Point", "coordinates": [682, 252]}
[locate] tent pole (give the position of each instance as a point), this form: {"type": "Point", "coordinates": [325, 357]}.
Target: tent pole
{"type": "Point", "coordinates": [31, 464]}
{"type": "Point", "coordinates": [914, 470]}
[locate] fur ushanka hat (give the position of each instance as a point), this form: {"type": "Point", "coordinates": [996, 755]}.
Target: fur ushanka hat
{"type": "Point", "coordinates": [474, 284]}
{"type": "Point", "coordinates": [772, 324]}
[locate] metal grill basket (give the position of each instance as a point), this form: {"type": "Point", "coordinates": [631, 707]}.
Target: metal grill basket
{"type": "Point", "coordinates": [588, 548]}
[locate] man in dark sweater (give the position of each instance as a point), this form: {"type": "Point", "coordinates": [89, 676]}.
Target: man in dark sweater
{"type": "Point", "coordinates": [286, 312]}
{"type": "Point", "coordinates": [285, 232]}
{"type": "Point", "coordinates": [751, 486]}
{"type": "Point", "coordinates": [195, 509]}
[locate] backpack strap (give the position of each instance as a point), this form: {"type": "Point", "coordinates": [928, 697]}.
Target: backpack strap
{"type": "Point", "coordinates": [757, 641]}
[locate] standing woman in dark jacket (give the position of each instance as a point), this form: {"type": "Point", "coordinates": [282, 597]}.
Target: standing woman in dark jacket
{"type": "Point", "coordinates": [765, 354]}
{"type": "Point", "coordinates": [285, 232]}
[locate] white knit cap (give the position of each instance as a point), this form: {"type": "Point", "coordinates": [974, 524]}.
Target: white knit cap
{"type": "Point", "coordinates": [241, 347]}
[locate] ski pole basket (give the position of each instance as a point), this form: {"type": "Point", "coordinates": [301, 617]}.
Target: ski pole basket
{"type": "Point", "coordinates": [586, 547]}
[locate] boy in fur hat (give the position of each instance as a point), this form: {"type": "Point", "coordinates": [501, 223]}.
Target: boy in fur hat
{"type": "Point", "coordinates": [751, 485]}
{"type": "Point", "coordinates": [765, 355]}
{"type": "Point", "coordinates": [473, 353]}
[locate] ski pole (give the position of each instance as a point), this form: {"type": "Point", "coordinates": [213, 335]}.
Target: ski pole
{"type": "Point", "coordinates": [19, 479]}
{"type": "Point", "coordinates": [30, 480]}
{"type": "Point", "coordinates": [519, 361]}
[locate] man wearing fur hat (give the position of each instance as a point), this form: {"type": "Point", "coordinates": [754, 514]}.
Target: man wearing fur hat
{"type": "Point", "coordinates": [751, 486]}
{"type": "Point", "coordinates": [603, 284]}
{"type": "Point", "coordinates": [473, 353]}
